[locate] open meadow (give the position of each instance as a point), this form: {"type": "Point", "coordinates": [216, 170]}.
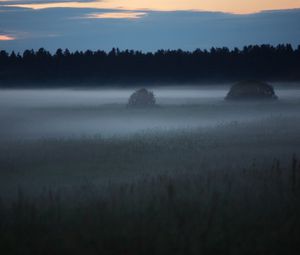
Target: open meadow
{"type": "Point", "coordinates": [81, 173]}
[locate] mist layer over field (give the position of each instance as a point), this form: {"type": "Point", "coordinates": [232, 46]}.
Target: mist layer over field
{"type": "Point", "coordinates": [80, 173]}
{"type": "Point", "coordinates": [60, 113]}
{"type": "Point", "coordinates": [65, 137]}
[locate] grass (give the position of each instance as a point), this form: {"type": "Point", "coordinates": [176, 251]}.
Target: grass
{"type": "Point", "coordinates": [253, 211]}
{"type": "Point", "coordinates": [232, 189]}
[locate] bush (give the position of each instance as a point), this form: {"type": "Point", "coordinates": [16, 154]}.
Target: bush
{"type": "Point", "coordinates": [251, 90]}
{"type": "Point", "coordinates": [142, 98]}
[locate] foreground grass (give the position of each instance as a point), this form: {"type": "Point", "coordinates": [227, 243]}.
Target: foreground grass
{"type": "Point", "coordinates": [252, 211]}
{"type": "Point", "coordinates": [229, 190]}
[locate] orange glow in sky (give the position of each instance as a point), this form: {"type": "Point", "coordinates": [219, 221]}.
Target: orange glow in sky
{"type": "Point", "coordinates": [232, 6]}
{"type": "Point", "coordinates": [6, 38]}
{"type": "Point", "coordinates": [116, 15]}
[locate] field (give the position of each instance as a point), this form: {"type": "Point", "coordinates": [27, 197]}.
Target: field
{"type": "Point", "coordinates": [82, 174]}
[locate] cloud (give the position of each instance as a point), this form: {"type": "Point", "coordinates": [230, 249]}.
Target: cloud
{"type": "Point", "coordinates": [116, 15]}
{"type": "Point", "coordinates": [17, 2]}
{"type": "Point", "coordinates": [61, 28]}
{"type": "Point", "coordinates": [4, 37]}
{"type": "Point", "coordinates": [229, 6]}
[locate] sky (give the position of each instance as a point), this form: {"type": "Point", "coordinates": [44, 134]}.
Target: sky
{"type": "Point", "coordinates": [147, 25]}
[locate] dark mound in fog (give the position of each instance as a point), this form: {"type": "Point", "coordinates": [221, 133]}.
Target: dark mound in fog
{"type": "Point", "coordinates": [142, 98]}
{"type": "Point", "coordinates": [251, 90]}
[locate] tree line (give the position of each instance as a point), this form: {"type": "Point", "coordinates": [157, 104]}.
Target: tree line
{"type": "Point", "coordinates": [281, 62]}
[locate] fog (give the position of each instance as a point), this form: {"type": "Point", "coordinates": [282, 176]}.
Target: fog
{"type": "Point", "coordinates": [65, 137]}
{"type": "Point", "coordinates": [76, 113]}
{"type": "Point", "coordinates": [79, 164]}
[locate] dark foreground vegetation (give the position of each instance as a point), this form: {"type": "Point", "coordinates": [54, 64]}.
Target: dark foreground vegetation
{"type": "Point", "coordinates": [232, 189]}
{"type": "Point", "coordinates": [218, 64]}
{"type": "Point", "coordinates": [250, 211]}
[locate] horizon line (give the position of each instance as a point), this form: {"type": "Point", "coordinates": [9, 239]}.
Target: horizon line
{"type": "Point", "coordinates": [297, 47]}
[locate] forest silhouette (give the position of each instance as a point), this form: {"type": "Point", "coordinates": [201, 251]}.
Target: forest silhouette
{"type": "Point", "coordinates": [265, 62]}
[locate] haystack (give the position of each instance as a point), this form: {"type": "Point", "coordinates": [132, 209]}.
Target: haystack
{"type": "Point", "coordinates": [251, 90]}
{"type": "Point", "coordinates": [142, 98]}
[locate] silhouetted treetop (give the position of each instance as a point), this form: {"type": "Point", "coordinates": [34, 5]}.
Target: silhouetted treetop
{"type": "Point", "coordinates": [263, 62]}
